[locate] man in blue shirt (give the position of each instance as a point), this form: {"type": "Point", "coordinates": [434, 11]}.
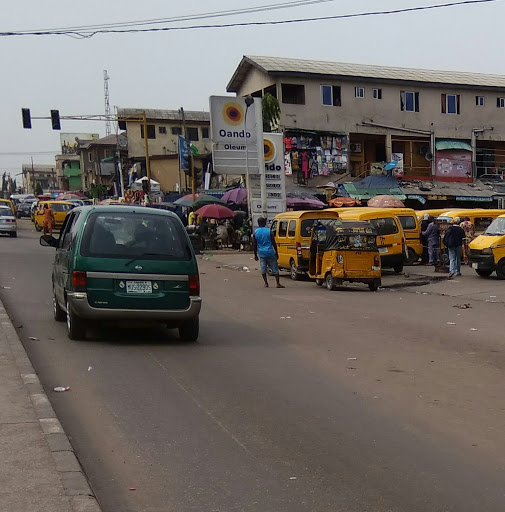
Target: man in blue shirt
{"type": "Point", "coordinates": [265, 247]}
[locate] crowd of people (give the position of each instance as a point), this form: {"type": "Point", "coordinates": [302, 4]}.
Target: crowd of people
{"type": "Point", "coordinates": [456, 237]}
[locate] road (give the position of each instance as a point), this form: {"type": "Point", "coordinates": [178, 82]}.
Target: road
{"type": "Point", "coordinates": [293, 400]}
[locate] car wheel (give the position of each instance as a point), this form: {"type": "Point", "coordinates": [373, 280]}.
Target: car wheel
{"type": "Point", "coordinates": [76, 328]}
{"type": "Point", "coordinates": [398, 268]}
{"type": "Point", "coordinates": [484, 273]}
{"type": "Point", "coordinates": [374, 286]}
{"type": "Point", "coordinates": [58, 313]}
{"type": "Point", "coordinates": [412, 257]}
{"type": "Point", "coordinates": [189, 330]}
{"type": "Point", "coordinates": [330, 281]}
{"type": "Point", "coordinates": [319, 282]}
{"type": "Point", "coordinates": [13, 235]}
{"type": "Point", "coordinates": [500, 270]}
{"type": "Point", "coordinates": [293, 272]}
{"type": "Point", "coordinates": [38, 228]}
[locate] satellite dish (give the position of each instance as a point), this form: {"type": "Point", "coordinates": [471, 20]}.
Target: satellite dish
{"type": "Point", "coordinates": [429, 156]}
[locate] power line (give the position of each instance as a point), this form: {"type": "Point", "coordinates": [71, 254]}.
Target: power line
{"type": "Point", "coordinates": [88, 34]}
{"type": "Point", "coordinates": [189, 17]}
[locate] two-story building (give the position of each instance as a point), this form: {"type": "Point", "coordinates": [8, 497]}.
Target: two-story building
{"type": "Point", "coordinates": [336, 118]}
{"type": "Point", "coordinates": [163, 130]}
{"type": "Point", "coordinates": [39, 173]}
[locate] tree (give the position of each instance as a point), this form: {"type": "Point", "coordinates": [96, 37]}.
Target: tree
{"type": "Point", "coordinates": [38, 189]}
{"type": "Point", "coordinates": [271, 112]}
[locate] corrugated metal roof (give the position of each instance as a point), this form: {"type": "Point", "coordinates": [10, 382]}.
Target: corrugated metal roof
{"type": "Point", "coordinates": [277, 65]}
{"type": "Point", "coordinates": [165, 115]}
{"type": "Point", "coordinates": [477, 189]}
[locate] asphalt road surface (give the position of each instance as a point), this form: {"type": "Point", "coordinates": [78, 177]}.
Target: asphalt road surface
{"type": "Point", "coordinates": [293, 400]}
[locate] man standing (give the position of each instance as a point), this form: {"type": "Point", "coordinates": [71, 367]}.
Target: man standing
{"type": "Point", "coordinates": [265, 247]}
{"type": "Point", "coordinates": [48, 220]}
{"type": "Point", "coordinates": [424, 226]}
{"type": "Point", "coordinates": [469, 230]}
{"type": "Point", "coordinates": [453, 240]}
{"type": "Point", "coordinates": [432, 235]}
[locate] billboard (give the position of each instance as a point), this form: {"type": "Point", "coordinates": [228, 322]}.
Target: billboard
{"type": "Point", "coordinates": [237, 133]}
{"type": "Point", "coordinates": [69, 141]}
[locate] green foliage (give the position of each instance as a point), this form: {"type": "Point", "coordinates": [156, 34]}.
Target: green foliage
{"type": "Point", "coordinates": [98, 191]}
{"type": "Point", "coordinates": [38, 189]}
{"type": "Point", "coordinates": [271, 112]}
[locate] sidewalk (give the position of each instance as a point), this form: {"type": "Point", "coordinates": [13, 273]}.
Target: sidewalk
{"type": "Point", "coordinates": [38, 469]}
{"type": "Point", "coordinates": [469, 285]}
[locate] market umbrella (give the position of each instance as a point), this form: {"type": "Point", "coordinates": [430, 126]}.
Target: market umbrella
{"type": "Point", "coordinates": [235, 195]}
{"type": "Point", "coordinates": [215, 211]}
{"type": "Point", "coordinates": [65, 196]}
{"type": "Point", "coordinates": [205, 199]}
{"type": "Point", "coordinates": [338, 202]}
{"type": "Point", "coordinates": [186, 200]}
{"type": "Point", "coordinates": [304, 202]}
{"type": "Point", "coordinates": [385, 201]}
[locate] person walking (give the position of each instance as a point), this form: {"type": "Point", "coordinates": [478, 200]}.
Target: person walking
{"type": "Point", "coordinates": [265, 249]}
{"type": "Point", "coordinates": [48, 219]}
{"type": "Point", "coordinates": [453, 240]}
{"type": "Point", "coordinates": [424, 226]}
{"type": "Point", "coordinates": [469, 230]}
{"type": "Point", "coordinates": [432, 235]}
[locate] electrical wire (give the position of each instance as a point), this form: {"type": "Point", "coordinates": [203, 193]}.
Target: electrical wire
{"type": "Point", "coordinates": [188, 17]}
{"type": "Point", "coordinates": [86, 34]}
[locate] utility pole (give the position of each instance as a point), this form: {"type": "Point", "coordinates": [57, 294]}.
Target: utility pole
{"type": "Point", "coordinates": [146, 147]}
{"type": "Point", "coordinates": [108, 130]}
{"type": "Point", "coordinates": [190, 155]}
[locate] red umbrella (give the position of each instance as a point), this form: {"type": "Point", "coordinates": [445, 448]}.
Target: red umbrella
{"type": "Point", "coordinates": [215, 211]}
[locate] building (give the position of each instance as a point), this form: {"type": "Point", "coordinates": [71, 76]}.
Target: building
{"type": "Point", "coordinates": [163, 130]}
{"type": "Point", "coordinates": [43, 174]}
{"type": "Point", "coordinates": [338, 118]}
{"type": "Point", "coordinates": [68, 172]}
{"type": "Point", "coordinates": [99, 160]}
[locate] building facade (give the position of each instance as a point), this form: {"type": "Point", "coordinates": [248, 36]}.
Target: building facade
{"type": "Point", "coordinates": [163, 130]}
{"type": "Point", "coordinates": [349, 118]}
{"type": "Point", "coordinates": [39, 173]}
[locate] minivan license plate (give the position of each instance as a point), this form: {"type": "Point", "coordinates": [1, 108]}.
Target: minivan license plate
{"type": "Point", "coordinates": [139, 287]}
{"type": "Point", "coordinates": [383, 250]}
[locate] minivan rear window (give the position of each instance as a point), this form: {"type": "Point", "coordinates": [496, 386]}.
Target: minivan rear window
{"type": "Point", "coordinates": [57, 207]}
{"type": "Point", "coordinates": [134, 235]}
{"type": "Point", "coordinates": [384, 226]}
{"type": "Point", "coordinates": [306, 226]}
{"type": "Point", "coordinates": [407, 221]}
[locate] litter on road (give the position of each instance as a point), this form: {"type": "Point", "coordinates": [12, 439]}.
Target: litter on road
{"type": "Point", "coordinates": [61, 389]}
{"type": "Point", "coordinates": [352, 358]}
{"type": "Point", "coordinates": [451, 323]}
{"type": "Point", "coordinates": [33, 338]}
{"type": "Point", "coordinates": [473, 329]}
{"type": "Point", "coordinates": [462, 306]}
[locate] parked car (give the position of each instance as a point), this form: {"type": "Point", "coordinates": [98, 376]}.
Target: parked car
{"type": "Point", "coordinates": [24, 208]}
{"type": "Point", "coordinates": [8, 225]}
{"type": "Point", "coordinates": [124, 263]}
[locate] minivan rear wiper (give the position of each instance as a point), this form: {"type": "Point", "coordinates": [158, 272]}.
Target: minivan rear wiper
{"type": "Point", "coordinates": [143, 255]}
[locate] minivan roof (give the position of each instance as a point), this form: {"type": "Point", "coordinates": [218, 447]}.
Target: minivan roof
{"type": "Point", "coordinates": [307, 213]}
{"type": "Point", "coordinates": [367, 214]}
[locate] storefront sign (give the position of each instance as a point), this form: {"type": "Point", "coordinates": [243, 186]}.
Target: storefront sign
{"type": "Point", "coordinates": [398, 171]}
{"type": "Point", "coordinates": [236, 130]}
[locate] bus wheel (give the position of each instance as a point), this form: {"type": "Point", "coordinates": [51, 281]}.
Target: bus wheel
{"type": "Point", "coordinates": [412, 257]}
{"type": "Point", "coordinates": [319, 282]}
{"type": "Point", "coordinates": [330, 281]}
{"type": "Point", "coordinates": [398, 268]}
{"type": "Point", "coordinates": [483, 273]}
{"type": "Point", "coordinates": [500, 270]}
{"type": "Point", "coordinates": [293, 272]}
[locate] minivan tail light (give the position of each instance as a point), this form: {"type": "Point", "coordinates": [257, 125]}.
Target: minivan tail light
{"type": "Point", "coordinates": [194, 285]}
{"type": "Point", "coordinates": [376, 260]}
{"type": "Point", "coordinates": [298, 249]}
{"type": "Point", "coordinates": [79, 281]}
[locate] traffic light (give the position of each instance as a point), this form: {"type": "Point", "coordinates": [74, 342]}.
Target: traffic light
{"type": "Point", "coordinates": [55, 119]}
{"type": "Point", "coordinates": [27, 118]}
{"type": "Point", "coordinates": [198, 178]}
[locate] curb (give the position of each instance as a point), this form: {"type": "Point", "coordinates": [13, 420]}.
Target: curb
{"type": "Point", "coordinates": [75, 484]}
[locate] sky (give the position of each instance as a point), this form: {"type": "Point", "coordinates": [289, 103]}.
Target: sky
{"type": "Point", "coordinates": [176, 69]}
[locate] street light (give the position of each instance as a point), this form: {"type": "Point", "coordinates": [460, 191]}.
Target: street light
{"type": "Point", "coordinates": [249, 100]}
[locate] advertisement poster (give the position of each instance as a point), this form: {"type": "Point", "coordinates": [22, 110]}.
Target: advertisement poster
{"type": "Point", "coordinates": [70, 141]}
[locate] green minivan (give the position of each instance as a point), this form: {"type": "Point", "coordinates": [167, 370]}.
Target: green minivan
{"type": "Point", "coordinates": [124, 264]}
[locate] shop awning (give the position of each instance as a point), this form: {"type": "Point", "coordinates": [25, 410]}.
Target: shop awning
{"type": "Point", "coordinates": [373, 186]}
{"type": "Point", "coordinates": [442, 144]}
{"type": "Point", "coordinates": [459, 191]}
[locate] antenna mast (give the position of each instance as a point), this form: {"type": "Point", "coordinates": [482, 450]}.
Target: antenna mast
{"type": "Point", "coordinates": [108, 129]}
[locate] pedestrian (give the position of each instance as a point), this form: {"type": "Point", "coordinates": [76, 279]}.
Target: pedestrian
{"type": "Point", "coordinates": [266, 249]}
{"type": "Point", "coordinates": [192, 218]}
{"type": "Point", "coordinates": [453, 240]}
{"type": "Point", "coordinates": [469, 230]}
{"type": "Point", "coordinates": [432, 235]}
{"type": "Point", "coordinates": [424, 226]}
{"type": "Point", "coordinates": [48, 219]}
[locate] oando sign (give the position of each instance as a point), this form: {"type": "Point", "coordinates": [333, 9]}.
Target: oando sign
{"type": "Point", "coordinates": [235, 132]}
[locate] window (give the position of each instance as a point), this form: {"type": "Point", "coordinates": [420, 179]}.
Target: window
{"type": "Point", "coordinates": [450, 103]}
{"type": "Point", "coordinates": [293, 94]}
{"type": "Point", "coordinates": [292, 228]}
{"type": "Point", "coordinates": [176, 130]}
{"type": "Point", "coordinates": [384, 226]}
{"type": "Point", "coordinates": [273, 227]}
{"type": "Point", "coordinates": [479, 101]}
{"type": "Point", "coordinates": [151, 131]}
{"type": "Point", "coordinates": [192, 134]}
{"type": "Point", "coordinates": [500, 102]}
{"type": "Point", "coordinates": [205, 133]}
{"type": "Point", "coordinates": [359, 92]}
{"type": "Point", "coordinates": [407, 222]}
{"type": "Point", "coordinates": [68, 231]}
{"type": "Point", "coordinates": [377, 94]}
{"type": "Point", "coordinates": [162, 130]}
{"type": "Point", "coordinates": [409, 101]}
{"type": "Point", "coordinates": [331, 95]}
{"type": "Point", "coordinates": [283, 227]}
{"type": "Point", "coordinates": [482, 223]}
{"type": "Point", "coordinates": [90, 157]}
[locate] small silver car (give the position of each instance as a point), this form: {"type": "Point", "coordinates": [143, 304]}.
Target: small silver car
{"type": "Point", "coordinates": [8, 223]}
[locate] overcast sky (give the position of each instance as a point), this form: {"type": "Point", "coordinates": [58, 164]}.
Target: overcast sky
{"type": "Point", "coordinates": [183, 68]}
